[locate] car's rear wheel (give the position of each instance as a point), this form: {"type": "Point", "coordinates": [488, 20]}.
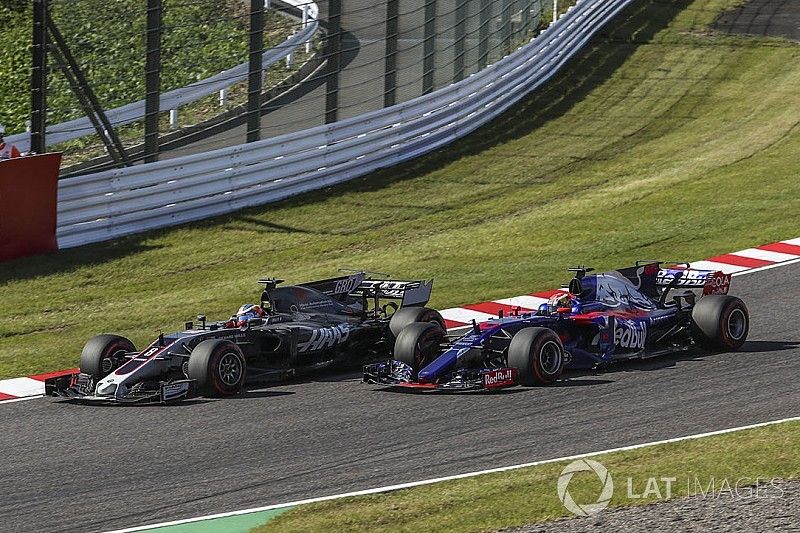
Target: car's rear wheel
{"type": "Point", "coordinates": [103, 354]}
{"type": "Point", "coordinates": [418, 344]}
{"type": "Point", "coordinates": [218, 366]}
{"type": "Point", "coordinates": [538, 356]}
{"type": "Point", "coordinates": [405, 316]}
{"type": "Point", "coordinates": [720, 322]}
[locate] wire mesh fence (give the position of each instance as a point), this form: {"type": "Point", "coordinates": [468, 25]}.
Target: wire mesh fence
{"type": "Point", "coordinates": [367, 55]}
{"type": "Point", "coordinates": [389, 52]}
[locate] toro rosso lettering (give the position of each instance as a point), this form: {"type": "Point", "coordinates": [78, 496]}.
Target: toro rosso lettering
{"type": "Point", "coordinates": [630, 334]}
{"type": "Point", "coordinates": [719, 283]}
{"type": "Point", "coordinates": [325, 338]}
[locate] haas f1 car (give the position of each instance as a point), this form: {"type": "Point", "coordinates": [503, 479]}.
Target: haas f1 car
{"type": "Point", "coordinates": [635, 312]}
{"type": "Point", "coordinates": [345, 320]}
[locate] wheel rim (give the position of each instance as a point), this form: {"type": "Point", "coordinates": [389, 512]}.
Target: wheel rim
{"type": "Point", "coordinates": [230, 369]}
{"type": "Point", "coordinates": [550, 357]}
{"type": "Point", "coordinates": [737, 324]}
{"type": "Point", "coordinates": [107, 363]}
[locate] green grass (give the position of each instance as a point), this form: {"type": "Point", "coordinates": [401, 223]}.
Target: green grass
{"type": "Point", "coordinates": [107, 39]}
{"type": "Point", "coordinates": [493, 501]}
{"type": "Point", "coordinates": [662, 139]}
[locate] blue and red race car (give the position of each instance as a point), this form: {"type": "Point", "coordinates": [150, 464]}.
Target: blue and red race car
{"type": "Point", "coordinates": [634, 312]}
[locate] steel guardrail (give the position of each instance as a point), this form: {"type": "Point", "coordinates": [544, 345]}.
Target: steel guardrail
{"type": "Point", "coordinates": [119, 202]}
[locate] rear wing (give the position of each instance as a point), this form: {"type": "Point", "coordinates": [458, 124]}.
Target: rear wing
{"type": "Point", "coordinates": [711, 281]}
{"type": "Point", "coordinates": [410, 292]}
{"type": "Point", "coordinates": [416, 292]}
{"type": "Point", "coordinates": [338, 286]}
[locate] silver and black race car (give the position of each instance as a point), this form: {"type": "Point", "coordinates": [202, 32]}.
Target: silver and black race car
{"type": "Point", "coordinates": [345, 320]}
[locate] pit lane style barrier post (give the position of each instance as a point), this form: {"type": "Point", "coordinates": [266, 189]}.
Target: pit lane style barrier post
{"type": "Point", "coordinates": [28, 205]}
{"type": "Point", "coordinates": [113, 203]}
{"type": "Point", "coordinates": [74, 129]}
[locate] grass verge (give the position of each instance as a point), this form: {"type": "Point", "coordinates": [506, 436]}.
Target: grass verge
{"type": "Point", "coordinates": [659, 140]}
{"type": "Point", "coordinates": [709, 467]}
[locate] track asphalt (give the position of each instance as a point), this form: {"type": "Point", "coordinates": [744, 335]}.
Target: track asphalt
{"type": "Point", "coordinates": [84, 468]}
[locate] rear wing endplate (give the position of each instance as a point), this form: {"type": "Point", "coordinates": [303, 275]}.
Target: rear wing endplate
{"type": "Point", "coordinates": [410, 292]}
{"type": "Point", "coordinates": [711, 281]}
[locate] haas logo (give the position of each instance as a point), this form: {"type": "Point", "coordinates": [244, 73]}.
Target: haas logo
{"type": "Point", "coordinates": [630, 334]}
{"type": "Point", "coordinates": [325, 338]}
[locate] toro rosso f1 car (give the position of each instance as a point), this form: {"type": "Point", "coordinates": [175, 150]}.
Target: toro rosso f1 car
{"type": "Point", "coordinates": [635, 312]}
{"type": "Point", "coordinates": [348, 320]}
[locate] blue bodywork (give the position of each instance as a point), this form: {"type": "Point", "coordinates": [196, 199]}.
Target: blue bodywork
{"type": "Point", "coordinates": [610, 316]}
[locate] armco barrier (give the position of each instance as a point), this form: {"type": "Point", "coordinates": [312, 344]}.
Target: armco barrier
{"type": "Point", "coordinates": [174, 99]}
{"type": "Point", "coordinates": [119, 202]}
{"type": "Point", "coordinates": [28, 205]}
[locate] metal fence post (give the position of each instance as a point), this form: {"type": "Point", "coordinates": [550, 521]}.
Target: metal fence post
{"type": "Point", "coordinates": [390, 69]}
{"type": "Point", "coordinates": [39, 77]}
{"type": "Point", "coordinates": [255, 78]}
{"type": "Point", "coordinates": [483, 33]}
{"type": "Point", "coordinates": [429, 46]}
{"type": "Point", "coordinates": [152, 80]}
{"type": "Point", "coordinates": [460, 38]}
{"type": "Point", "coordinates": [334, 48]}
{"type": "Point", "coordinates": [505, 28]}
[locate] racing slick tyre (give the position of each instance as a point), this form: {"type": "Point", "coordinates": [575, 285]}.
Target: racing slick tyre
{"type": "Point", "coordinates": [408, 315]}
{"type": "Point", "coordinates": [538, 355]}
{"type": "Point", "coordinates": [418, 344]}
{"type": "Point", "coordinates": [102, 354]}
{"type": "Point", "coordinates": [219, 368]}
{"type": "Point", "coordinates": [720, 322]}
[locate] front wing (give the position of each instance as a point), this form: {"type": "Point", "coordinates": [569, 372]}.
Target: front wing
{"type": "Point", "coordinates": [398, 374]}
{"type": "Point", "coordinates": [80, 388]}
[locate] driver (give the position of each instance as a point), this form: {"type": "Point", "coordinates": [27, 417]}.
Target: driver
{"type": "Point", "coordinates": [245, 314]}
{"type": "Point", "coordinates": [561, 302]}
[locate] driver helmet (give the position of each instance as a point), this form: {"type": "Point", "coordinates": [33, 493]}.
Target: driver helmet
{"type": "Point", "coordinates": [560, 300]}
{"type": "Point", "coordinates": [249, 312]}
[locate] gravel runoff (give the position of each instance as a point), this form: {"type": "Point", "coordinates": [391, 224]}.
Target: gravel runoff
{"type": "Point", "coordinates": [775, 511]}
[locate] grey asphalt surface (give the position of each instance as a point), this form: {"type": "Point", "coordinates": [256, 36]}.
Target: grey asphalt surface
{"type": "Point", "coordinates": [83, 468]}
{"type": "Point", "coordinates": [768, 18]}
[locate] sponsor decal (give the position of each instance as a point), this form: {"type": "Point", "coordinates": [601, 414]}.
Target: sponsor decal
{"type": "Point", "coordinates": [325, 338]}
{"type": "Point", "coordinates": [719, 283]}
{"type": "Point", "coordinates": [629, 334]}
{"type": "Point", "coordinates": [174, 390]}
{"type": "Point", "coordinates": [346, 285]}
{"type": "Point", "coordinates": [503, 377]}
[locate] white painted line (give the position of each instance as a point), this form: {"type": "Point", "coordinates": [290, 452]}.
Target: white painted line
{"type": "Point", "coordinates": [411, 484]}
{"type": "Point", "coordinates": [774, 257]}
{"type": "Point", "coordinates": [464, 316]}
{"type": "Point", "coordinates": [526, 302]}
{"type": "Point", "coordinates": [12, 400]}
{"type": "Point", "coordinates": [796, 241]}
{"type": "Point", "coordinates": [713, 265]}
{"type": "Point", "coordinates": [767, 267]}
{"type": "Point", "coordinates": [22, 387]}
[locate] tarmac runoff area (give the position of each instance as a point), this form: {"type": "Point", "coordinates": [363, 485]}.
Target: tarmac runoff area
{"type": "Point", "coordinates": [766, 18]}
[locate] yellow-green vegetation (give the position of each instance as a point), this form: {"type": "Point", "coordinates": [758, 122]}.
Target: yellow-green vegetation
{"type": "Point", "coordinates": [199, 39]}
{"type": "Point", "coordinates": [719, 466]}
{"type": "Point", "coordinates": [662, 139]}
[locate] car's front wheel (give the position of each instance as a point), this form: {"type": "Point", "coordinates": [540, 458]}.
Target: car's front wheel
{"type": "Point", "coordinates": [218, 366]}
{"type": "Point", "coordinates": [103, 354]}
{"type": "Point", "coordinates": [405, 316]}
{"type": "Point", "coordinates": [418, 344]}
{"type": "Point", "coordinates": [538, 356]}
